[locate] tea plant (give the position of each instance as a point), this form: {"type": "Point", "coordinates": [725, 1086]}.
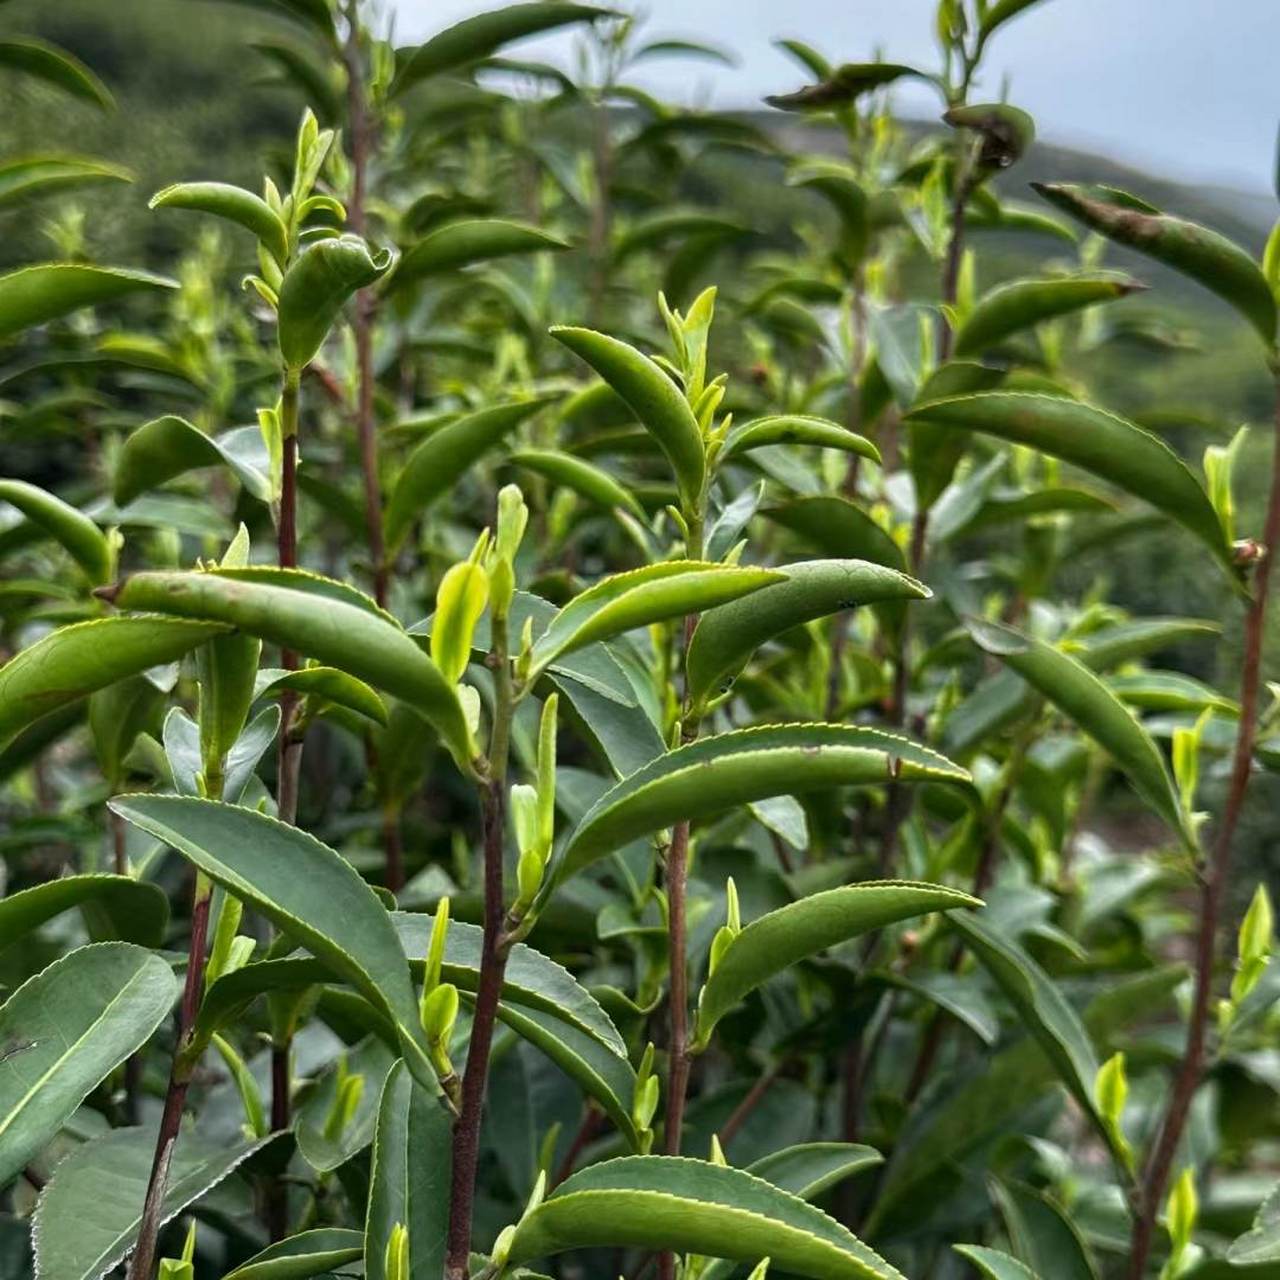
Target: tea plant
{"type": "Point", "coordinates": [481, 788]}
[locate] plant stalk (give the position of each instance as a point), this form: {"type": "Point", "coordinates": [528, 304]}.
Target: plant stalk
{"type": "Point", "coordinates": [1214, 874]}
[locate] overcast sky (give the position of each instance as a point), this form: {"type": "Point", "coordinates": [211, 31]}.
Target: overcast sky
{"type": "Point", "coordinates": [1187, 88]}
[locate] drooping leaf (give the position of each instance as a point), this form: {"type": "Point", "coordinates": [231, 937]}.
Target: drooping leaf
{"type": "Point", "coordinates": [782, 938]}
{"type": "Point", "coordinates": [435, 466]}
{"type": "Point", "coordinates": [316, 618]}
{"type": "Point", "coordinates": [1085, 698]}
{"type": "Point", "coordinates": [811, 1168]}
{"type": "Point", "coordinates": [652, 396]}
{"type": "Point", "coordinates": [1115, 450]}
{"type": "Point", "coordinates": [729, 769]}
{"type": "Point", "coordinates": [1000, 13]}
{"type": "Point", "coordinates": [101, 1187]}
{"type": "Point", "coordinates": [325, 685]}
{"type": "Point", "coordinates": [66, 1029]}
{"type": "Point", "coordinates": [317, 286]}
{"type": "Point", "coordinates": [669, 1202]}
{"type": "Point", "coordinates": [235, 204]}
{"type": "Point", "coordinates": [30, 177]}
{"type": "Point", "coordinates": [842, 86]}
{"type": "Point", "coordinates": [993, 1263]}
{"type": "Point", "coordinates": [128, 909]}
{"type": "Point", "coordinates": [672, 224]}
{"type": "Point", "coordinates": [479, 36]}
{"type": "Point", "coordinates": [309, 1253]}
{"type": "Point", "coordinates": [1206, 256]}
{"type": "Point", "coordinates": [727, 636]}
{"type": "Point", "coordinates": [44, 61]}
{"type": "Point", "coordinates": [409, 1182]}
{"type": "Point", "coordinates": [460, 244]}
{"type": "Point", "coordinates": [584, 478]}
{"type": "Point", "coordinates": [786, 428]}
{"type": "Point", "coordinates": [70, 663]}
{"type": "Point", "coordinates": [303, 887]}
{"type": "Point", "coordinates": [1022, 304]}
{"type": "Point", "coordinates": [84, 541]}
{"type": "Point", "coordinates": [1042, 1234]}
{"type": "Point", "coordinates": [170, 446]}
{"type": "Point", "coordinates": [624, 601]}
{"type": "Point", "coordinates": [35, 295]}
{"type": "Point", "coordinates": [839, 529]}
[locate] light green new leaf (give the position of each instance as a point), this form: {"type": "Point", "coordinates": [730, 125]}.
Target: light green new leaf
{"type": "Point", "coordinates": [460, 244]}
{"type": "Point", "coordinates": [310, 1253]}
{"type": "Point", "coordinates": [57, 67]}
{"type": "Point", "coordinates": [101, 1187]}
{"type": "Point", "coordinates": [1115, 450]}
{"type": "Point", "coordinates": [409, 1179]}
{"type": "Point", "coordinates": [235, 204]}
{"type": "Point", "coordinates": [70, 663]}
{"type": "Point", "coordinates": [1219, 264]}
{"type": "Point", "coordinates": [36, 295]}
{"type": "Point", "coordinates": [1021, 304]}
{"type": "Point", "coordinates": [316, 288]}
{"type": "Point", "coordinates": [788, 935]}
{"type": "Point", "coordinates": [795, 428]}
{"type": "Point", "coordinates": [83, 540]}
{"type": "Point", "coordinates": [115, 906]}
{"type": "Point", "coordinates": [314, 616]}
{"type": "Point", "coordinates": [28, 177]}
{"type": "Point", "coordinates": [1081, 695]}
{"type": "Point", "coordinates": [653, 397]}
{"type": "Point", "coordinates": [66, 1029]}
{"type": "Point", "coordinates": [994, 1264]}
{"type": "Point", "coordinates": [302, 886]}
{"type": "Point", "coordinates": [170, 446]}
{"type": "Point", "coordinates": [727, 636]}
{"type": "Point", "coordinates": [436, 465]}
{"type": "Point", "coordinates": [727, 770]}
{"type": "Point", "coordinates": [669, 1202]}
{"type": "Point", "coordinates": [640, 597]}
{"type": "Point", "coordinates": [1041, 1006]}
{"type": "Point", "coordinates": [584, 478]}
{"type": "Point", "coordinates": [484, 34]}
{"type": "Point", "coordinates": [325, 685]}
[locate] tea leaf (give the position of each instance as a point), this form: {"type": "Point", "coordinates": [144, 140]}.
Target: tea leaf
{"type": "Point", "coordinates": [35, 295]}
{"type": "Point", "coordinates": [232, 203]}
{"type": "Point", "coordinates": [84, 541]}
{"type": "Point", "coordinates": [116, 906]}
{"type": "Point", "coordinates": [460, 244]}
{"type": "Point", "coordinates": [309, 1253]}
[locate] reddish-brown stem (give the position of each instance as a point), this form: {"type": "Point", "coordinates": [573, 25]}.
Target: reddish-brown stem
{"type": "Point", "coordinates": [751, 1100]}
{"type": "Point", "coordinates": [1214, 880]}
{"type": "Point", "coordinates": [466, 1130]}
{"type": "Point", "coordinates": [142, 1264]}
{"type": "Point", "coordinates": [587, 1130]}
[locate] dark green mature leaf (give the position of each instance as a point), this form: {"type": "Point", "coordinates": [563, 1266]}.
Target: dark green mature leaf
{"type": "Point", "coordinates": [67, 1028]}
{"type": "Point", "coordinates": [35, 295]}
{"type": "Point", "coordinates": [1000, 13]}
{"type": "Point", "coordinates": [318, 618]}
{"type": "Point", "coordinates": [479, 36]}
{"type": "Point", "coordinates": [101, 1187]}
{"type": "Point", "coordinates": [1041, 1006]}
{"type": "Point", "coordinates": [731, 769]}
{"type": "Point", "coordinates": [409, 1182]}
{"type": "Point", "coordinates": [170, 446]}
{"type": "Point", "coordinates": [459, 244]}
{"type": "Point", "coordinates": [29, 177]}
{"type": "Point", "coordinates": [1020, 304]}
{"type": "Point", "coordinates": [669, 1202]}
{"type": "Point", "coordinates": [640, 597]}
{"type": "Point", "coordinates": [814, 1167]}
{"type": "Point", "coordinates": [994, 1264]}
{"type": "Point", "coordinates": [1169, 691]}
{"type": "Point", "coordinates": [235, 204]}
{"type": "Point", "coordinates": [129, 909]}
{"type": "Point", "coordinates": [845, 84]}
{"type": "Point", "coordinates": [1261, 1243]}
{"type": "Point", "coordinates": [1006, 132]}
{"type": "Point", "coordinates": [1134, 638]}
{"type": "Point", "coordinates": [305, 888]}
{"type": "Point", "coordinates": [316, 288]}
{"type": "Point", "coordinates": [57, 67]}
{"type": "Point", "coordinates": [309, 1253]}
{"type": "Point", "coordinates": [784, 937]}
{"type": "Point", "coordinates": [840, 529]}
{"type": "Point", "coordinates": [797, 428]}
{"type": "Point", "coordinates": [1097, 441]}
{"type": "Point", "coordinates": [435, 466]}
{"type": "Point", "coordinates": [317, 15]}
{"type": "Point", "coordinates": [584, 478]}
{"type": "Point", "coordinates": [1042, 1233]}
{"type": "Point", "coordinates": [652, 396]}
{"type": "Point", "coordinates": [672, 224]}
{"type": "Point", "coordinates": [1082, 696]}
{"type": "Point", "coordinates": [70, 663]}
{"type": "Point", "coordinates": [727, 636]}
{"type": "Point", "coordinates": [1219, 264]}
{"type": "Point", "coordinates": [85, 542]}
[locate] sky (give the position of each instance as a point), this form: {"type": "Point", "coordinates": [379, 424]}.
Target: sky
{"type": "Point", "coordinates": [1187, 89]}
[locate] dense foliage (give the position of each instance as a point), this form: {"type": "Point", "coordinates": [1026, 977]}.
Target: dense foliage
{"type": "Point", "coordinates": [513, 756]}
